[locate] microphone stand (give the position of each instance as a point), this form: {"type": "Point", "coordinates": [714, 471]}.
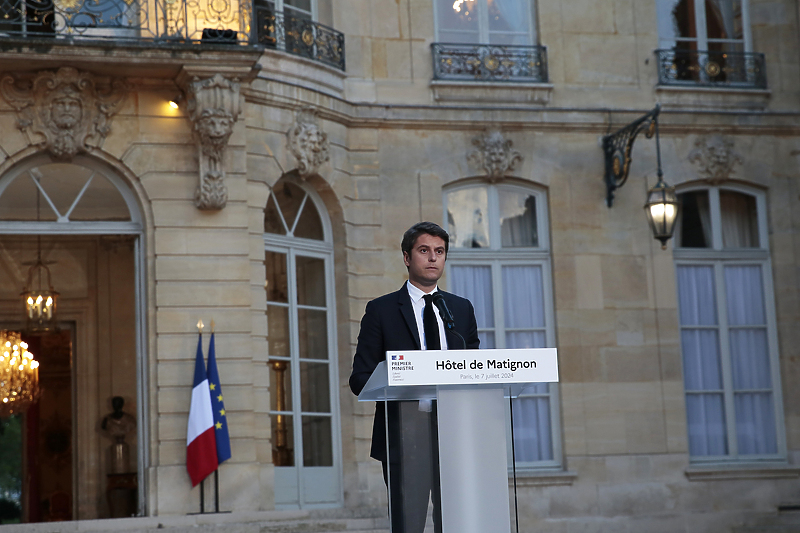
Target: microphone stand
{"type": "Point", "coordinates": [451, 327]}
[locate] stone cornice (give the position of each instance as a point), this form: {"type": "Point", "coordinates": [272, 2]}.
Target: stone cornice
{"type": "Point", "coordinates": [525, 118]}
{"type": "Point", "coordinates": [117, 59]}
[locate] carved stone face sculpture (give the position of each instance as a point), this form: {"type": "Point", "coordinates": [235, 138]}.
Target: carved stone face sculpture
{"type": "Point", "coordinates": [71, 110]}
{"type": "Point", "coordinates": [214, 127]}
{"type": "Point", "coordinates": [717, 150]}
{"type": "Point", "coordinates": [493, 154]}
{"type": "Point", "coordinates": [715, 158]}
{"type": "Point", "coordinates": [496, 151]}
{"type": "Point", "coordinates": [311, 139]}
{"type": "Point", "coordinates": [66, 112]}
{"type": "Point", "coordinates": [308, 143]}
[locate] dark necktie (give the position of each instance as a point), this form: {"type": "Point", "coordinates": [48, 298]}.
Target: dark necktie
{"type": "Point", "coordinates": [430, 325]}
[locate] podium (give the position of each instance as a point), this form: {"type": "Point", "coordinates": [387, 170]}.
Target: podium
{"type": "Point", "coordinates": [468, 436]}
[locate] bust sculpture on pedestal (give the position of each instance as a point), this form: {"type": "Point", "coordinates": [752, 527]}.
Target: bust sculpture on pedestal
{"type": "Point", "coordinates": [116, 426]}
{"type": "Point", "coordinates": [121, 479]}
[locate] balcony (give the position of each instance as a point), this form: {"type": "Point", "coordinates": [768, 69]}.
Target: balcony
{"type": "Point", "coordinates": [180, 23]}
{"type": "Point", "coordinates": [489, 63]}
{"type": "Point", "coordinates": [300, 37]}
{"type": "Point", "coordinates": [713, 69]}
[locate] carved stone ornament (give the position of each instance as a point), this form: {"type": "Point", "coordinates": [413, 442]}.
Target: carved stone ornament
{"type": "Point", "coordinates": [715, 158]}
{"type": "Point", "coordinates": [213, 105]}
{"type": "Point", "coordinates": [64, 109]}
{"type": "Point", "coordinates": [493, 154]}
{"type": "Point", "coordinates": [307, 142]}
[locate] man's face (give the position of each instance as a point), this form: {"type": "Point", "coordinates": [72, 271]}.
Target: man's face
{"type": "Point", "coordinates": [426, 261]}
{"type": "Point", "coordinates": [66, 112]}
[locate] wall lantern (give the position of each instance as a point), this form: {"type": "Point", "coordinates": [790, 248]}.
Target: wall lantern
{"type": "Point", "coordinates": [39, 298]}
{"type": "Point", "coordinates": [662, 203]}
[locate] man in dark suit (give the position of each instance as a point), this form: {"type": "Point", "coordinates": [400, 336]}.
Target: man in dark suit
{"type": "Point", "coordinates": [406, 320]}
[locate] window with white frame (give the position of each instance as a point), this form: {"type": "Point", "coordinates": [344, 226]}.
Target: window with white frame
{"type": "Point", "coordinates": [499, 259]}
{"type": "Point", "coordinates": [704, 25]}
{"type": "Point", "coordinates": [485, 21]}
{"type": "Point", "coordinates": [727, 324]}
{"type": "Point", "coordinates": [308, 10]}
{"type": "Point", "coordinates": [301, 329]}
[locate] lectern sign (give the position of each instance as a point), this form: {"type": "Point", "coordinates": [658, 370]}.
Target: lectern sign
{"type": "Point", "coordinates": [467, 367]}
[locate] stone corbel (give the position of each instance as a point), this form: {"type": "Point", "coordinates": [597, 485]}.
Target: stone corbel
{"type": "Point", "coordinates": [493, 154]}
{"type": "Point", "coordinates": [64, 110]}
{"type": "Point", "coordinates": [213, 105]}
{"type": "Point", "coordinates": [307, 142]}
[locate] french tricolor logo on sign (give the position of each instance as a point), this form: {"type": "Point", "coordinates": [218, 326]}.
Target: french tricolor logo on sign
{"type": "Point", "coordinates": [397, 358]}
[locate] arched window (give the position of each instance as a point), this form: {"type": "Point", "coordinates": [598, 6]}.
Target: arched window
{"type": "Point", "coordinates": [727, 324]}
{"type": "Point", "coordinates": [82, 220]}
{"type": "Point", "coordinates": [499, 259]}
{"type": "Point", "coordinates": [302, 348]}
{"type": "Point", "coordinates": [76, 197]}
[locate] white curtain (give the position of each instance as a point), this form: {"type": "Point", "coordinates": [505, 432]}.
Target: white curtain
{"type": "Point", "coordinates": [701, 361]}
{"type": "Point", "coordinates": [517, 220]}
{"type": "Point", "coordinates": [509, 22]}
{"type": "Point", "coordinates": [739, 224]}
{"type": "Point", "coordinates": [456, 26]}
{"type": "Point", "coordinates": [474, 282]}
{"type": "Point", "coordinates": [728, 13]}
{"type": "Point", "coordinates": [750, 366]}
{"type": "Point", "coordinates": [523, 307]}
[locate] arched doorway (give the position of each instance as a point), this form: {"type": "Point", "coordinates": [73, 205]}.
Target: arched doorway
{"type": "Point", "coordinates": [85, 223]}
{"type": "Point", "coordinates": [301, 325]}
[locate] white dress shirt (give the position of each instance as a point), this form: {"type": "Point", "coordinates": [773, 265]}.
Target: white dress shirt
{"type": "Point", "coordinates": [418, 302]}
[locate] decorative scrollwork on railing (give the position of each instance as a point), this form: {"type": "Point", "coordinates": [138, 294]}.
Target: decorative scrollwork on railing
{"type": "Point", "coordinates": [711, 68]}
{"type": "Point", "coordinates": [228, 22]}
{"type": "Point", "coordinates": [301, 37]}
{"type": "Point", "coordinates": [178, 21]}
{"type": "Point", "coordinates": [484, 62]}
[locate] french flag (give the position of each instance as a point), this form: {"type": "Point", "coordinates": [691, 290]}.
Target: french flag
{"type": "Point", "coordinates": [201, 443]}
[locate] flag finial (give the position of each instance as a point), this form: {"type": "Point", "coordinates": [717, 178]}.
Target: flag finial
{"type": "Point", "coordinates": [200, 326]}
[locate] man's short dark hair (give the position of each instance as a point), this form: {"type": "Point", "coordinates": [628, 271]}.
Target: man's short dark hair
{"type": "Point", "coordinates": [411, 235]}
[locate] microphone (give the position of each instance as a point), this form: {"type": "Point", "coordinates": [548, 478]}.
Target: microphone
{"type": "Point", "coordinates": [447, 316]}
{"type": "Point", "coordinates": [444, 312]}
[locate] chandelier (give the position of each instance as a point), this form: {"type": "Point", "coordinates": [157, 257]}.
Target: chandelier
{"type": "Point", "coordinates": [39, 300]}
{"type": "Point", "coordinates": [19, 375]}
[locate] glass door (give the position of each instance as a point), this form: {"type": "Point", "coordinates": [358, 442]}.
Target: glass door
{"type": "Point", "coordinates": [300, 327]}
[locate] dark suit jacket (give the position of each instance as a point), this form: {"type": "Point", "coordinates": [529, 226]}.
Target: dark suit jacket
{"type": "Point", "coordinates": [389, 324]}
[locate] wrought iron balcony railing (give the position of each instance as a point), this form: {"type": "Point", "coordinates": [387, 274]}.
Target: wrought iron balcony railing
{"type": "Point", "coordinates": [489, 62]}
{"type": "Point", "coordinates": [300, 37]}
{"type": "Point", "coordinates": [711, 69]}
{"type": "Point", "coordinates": [170, 21]}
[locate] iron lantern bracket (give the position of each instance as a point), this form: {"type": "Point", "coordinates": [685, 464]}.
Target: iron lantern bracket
{"type": "Point", "coordinates": [618, 145]}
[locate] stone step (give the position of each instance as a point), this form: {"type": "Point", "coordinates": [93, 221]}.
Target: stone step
{"type": "Point", "coordinates": [324, 521]}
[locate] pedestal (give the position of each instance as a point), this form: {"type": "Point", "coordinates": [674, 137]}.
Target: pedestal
{"type": "Point", "coordinates": [121, 494]}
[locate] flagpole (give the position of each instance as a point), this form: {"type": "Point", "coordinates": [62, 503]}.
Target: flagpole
{"type": "Point", "coordinates": [216, 472]}
{"type": "Point", "coordinates": [200, 327]}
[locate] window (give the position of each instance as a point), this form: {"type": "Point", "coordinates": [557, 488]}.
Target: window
{"type": "Point", "coordinates": [717, 25]}
{"type": "Point", "coordinates": [727, 325]}
{"type": "Point", "coordinates": [485, 21]}
{"type": "Point", "coordinates": [302, 345]}
{"type": "Point", "coordinates": [499, 259]}
{"type": "Point", "coordinates": [707, 42]}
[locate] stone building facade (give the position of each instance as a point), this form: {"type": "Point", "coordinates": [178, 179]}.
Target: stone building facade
{"type": "Point", "coordinates": [272, 201]}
